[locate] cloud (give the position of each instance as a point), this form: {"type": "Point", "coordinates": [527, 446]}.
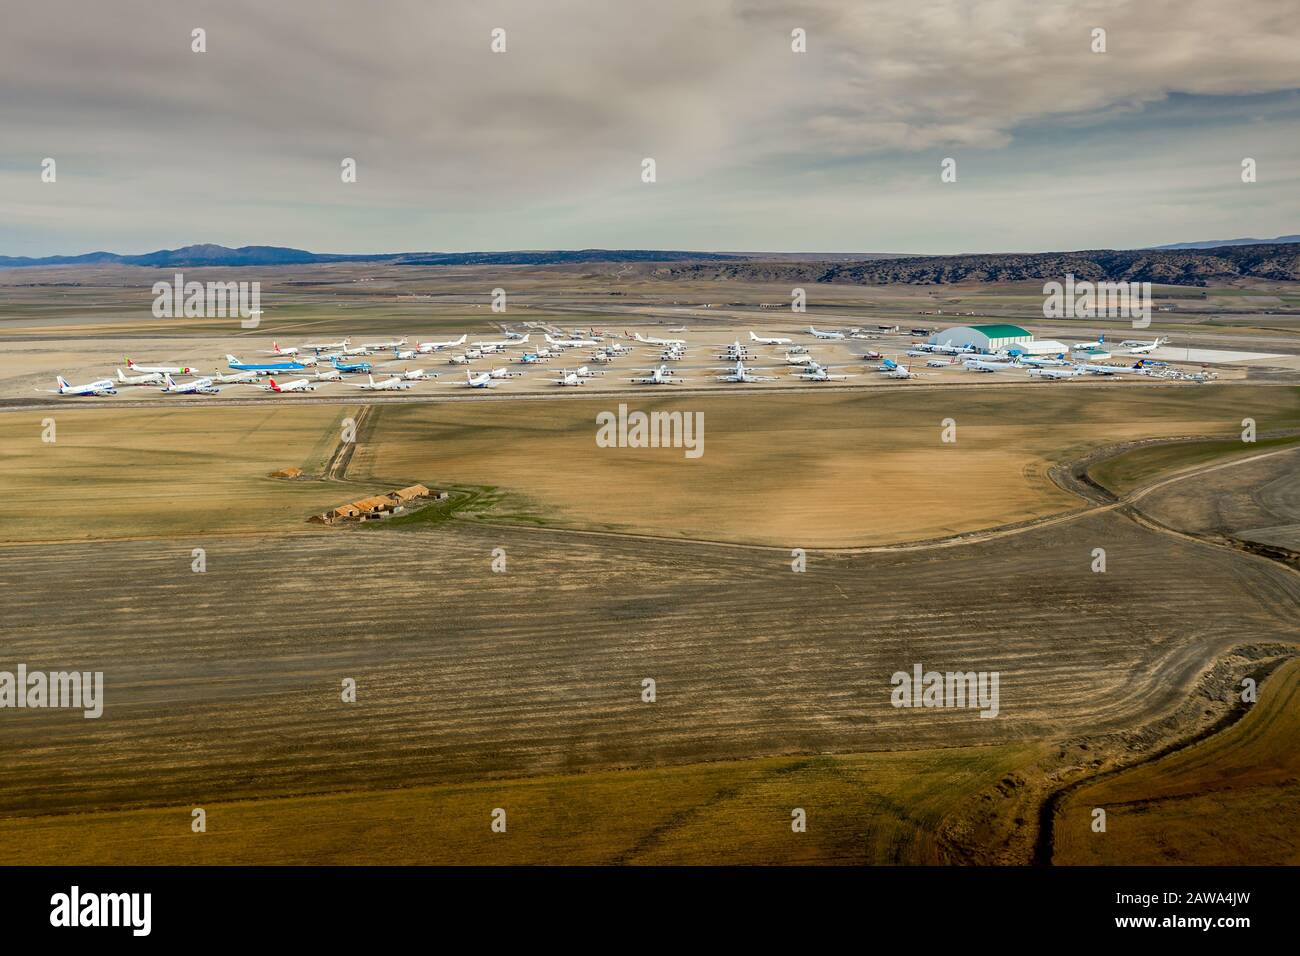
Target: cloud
{"type": "Point", "coordinates": [156, 143]}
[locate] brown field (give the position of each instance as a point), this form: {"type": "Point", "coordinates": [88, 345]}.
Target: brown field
{"type": "Point", "coordinates": [224, 686]}
{"type": "Point", "coordinates": [1231, 799]}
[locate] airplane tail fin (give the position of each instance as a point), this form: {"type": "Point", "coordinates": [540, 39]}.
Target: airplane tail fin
{"type": "Point", "coordinates": [274, 387]}
{"type": "Point", "coordinates": [63, 382]}
{"type": "Point", "coordinates": [120, 376]}
{"type": "Point", "coordinates": [230, 360]}
{"type": "Point", "coordinates": [168, 380]}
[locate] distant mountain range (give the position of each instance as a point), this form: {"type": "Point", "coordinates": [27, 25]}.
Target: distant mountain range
{"type": "Point", "coordinates": [1182, 264]}
{"type": "Point", "coordinates": [1195, 267]}
{"type": "Point", "coordinates": [1215, 243]}
{"type": "Point", "coordinates": [213, 255]}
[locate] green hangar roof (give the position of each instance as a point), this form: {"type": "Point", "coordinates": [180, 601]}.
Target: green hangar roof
{"type": "Point", "coordinates": [1001, 331]}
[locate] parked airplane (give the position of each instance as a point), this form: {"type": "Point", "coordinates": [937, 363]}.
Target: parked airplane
{"type": "Point", "coordinates": [532, 358]}
{"type": "Point", "coordinates": [162, 369]}
{"type": "Point", "coordinates": [322, 346]}
{"type": "Point", "coordinates": [825, 335]}
{"type": "Point", "coordinates": [821, 373]}
{"type": "Point", "coordinates": [987, 365]}
{"type": "Point", "coordinates": [571, 343]}
{"type": "Point", "coordinates": [1093, 369]}
{"type": "Point", "coordinates": [658, 376]}
{"type": "Point", "coordinates": [1043, 361]}
{"type": "Point", "coordinates": [502, 343]}
{"type": "Point", "coordinates": [299, 385]}
{"type": "Point", "coordinates": [1054, 373]}
{"type": "Point", "coordinates": [805, 359]}
{"type": "Point", "coordinates": [233, 377]}
{"type": "Point", "coordinates": [393, 384]}
{"type": "Point", "coordinates": [503, 372]}
{"type": "Point", "coordinates": [276, 350]}
{"type": "Point", "coordinates": [359, 350]}
{"type": "Point", "coordinates": [771, 340]}
{"type": "Point", "coordinates": [568, 378]}
{"type": "Point", "coordinates": [1143, 348]}
{"type": "Point", "coordinates": [739, 373]}
{"type": "Point", "coordinates": [258, 366]}
{"type": "Point", "coordinates": [458, 359]}
{"type": "Point", "coordinates": [328, 375]}
{"type": "Point", "coordinates": [383, 346]}
{"type": "Point", "coordinates": [481, 380]}
{"type": "Point", "coordinates": [418, 375]}
{"type": "Point", "coordinates": [198, 386]}
{"type": "Point", "coordinates": [102, 387]}
{"type": "Point", "coordinates": [426, 347]}
{"type": "Point", "coordinates": [404, 355]}
{"type": "Point", "coordinates": [655, 340]}
{"type": "Point", "coordinates": [1084, 346]}
{"type": "Point", "coordinates": [153, 378]}
{"type": "Point", "coordinates": [351, 366]}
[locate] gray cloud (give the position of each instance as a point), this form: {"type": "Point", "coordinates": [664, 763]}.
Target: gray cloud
{"type": "Point", "coordinates": [541, 146]}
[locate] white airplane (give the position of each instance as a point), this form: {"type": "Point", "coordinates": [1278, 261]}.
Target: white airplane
{"type": "Point", "coordinates": [427, 347]}
{"type": "Point", "coordinates": [1084, 346]}
{"type": "Point", "coordinates": [502, 343]}
{"type": "Point", "coordinates": [481, 380]}
{"type": "Point", "coordinates": [514, 336]}
{"type": "Point", "coordinates": [568, 378]}
{"type": "Point", "coordinates": [328, 375]}
{"type": "Point", "coordinates": [1043, 361]}
{"type": "Point", "coordinates": [1053, 373]}
{"type": "Point", "coordinates": [601, 358]}
{"type": "Point", "coordinates": [987, 365]}
{"type": "Point", "coordinates": [393, 384]}
{"type": "Point", "coordinates": [299, 385]}
{"type": "Point", "coordinates": [461, 359]}
{"type": "Point", "coordinates": [503, 372]}
{"type": "Point", "coordinates": [939, 363]}
{"type": "Point", "coordinates": [382, 346]}
{"type": "Point", "coordinates": [359, 350]}
{"type": "Point", "coordinates": [571, 343]}
{"type": "Point", "coordinates": [805, 359]}
{"type": "Point", "coordinates": [732, 350]}
{"type": "Point", "coordinates": [1092, 369]}
{"type": "Point", "coordinates": [153, 378]}
{"type": "Point", "coordinates": [162, 369]}
{"type": "Point", "coordinates": [322, 346]}
{"type": "Point", "coordinates": [276, 350]}
{"type": "Point", "coordinates": [771, 340]}
{"type": "Point", "coordinates": [102, 387]}
{"type": "Point", "coordinates": [418, 375]}
{"type": "Point", "coordinates": [202, 386]}
{"type": "Point", "coordinates": [1142, 348]}
{"type": "Point", "coordinates": [233, 377]}
{"type": "Point", "coordinates": [658, 376]}
{"type": "Point", "coordinates": [825, 335]}
{"type": "Point", "coordinates": [404, 355]}
{"type": "Point", "coordinates": [489, 348]}
{"type": "Point", "coordinates": [618, 348]}
{"type": "Point", "coordinates": [821, 373]}
{"type": "Point", "coordinates": [655, 340]}
{"type": "Point", "coordinates": [583, 371]}
{"type": "Point", "coordinates": [739, 373]}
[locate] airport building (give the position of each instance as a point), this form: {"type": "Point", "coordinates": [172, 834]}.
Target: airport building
{"type": "Point", "coordinates": [983, 338]}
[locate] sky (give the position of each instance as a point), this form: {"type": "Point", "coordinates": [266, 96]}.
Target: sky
{"type": "Point", "coordinates": [756, 147]}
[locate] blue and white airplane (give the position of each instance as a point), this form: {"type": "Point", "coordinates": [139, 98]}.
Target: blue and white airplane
{"type": "Point", "coordinates": [264, 366]}
{"type": "Point", "coordinates": [351, 366]}
{"type": "Point", "coordinates": [102, 387]}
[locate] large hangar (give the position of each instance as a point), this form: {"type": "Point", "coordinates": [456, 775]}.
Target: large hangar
{"type": "Point", "coordinates": [982, 338]}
